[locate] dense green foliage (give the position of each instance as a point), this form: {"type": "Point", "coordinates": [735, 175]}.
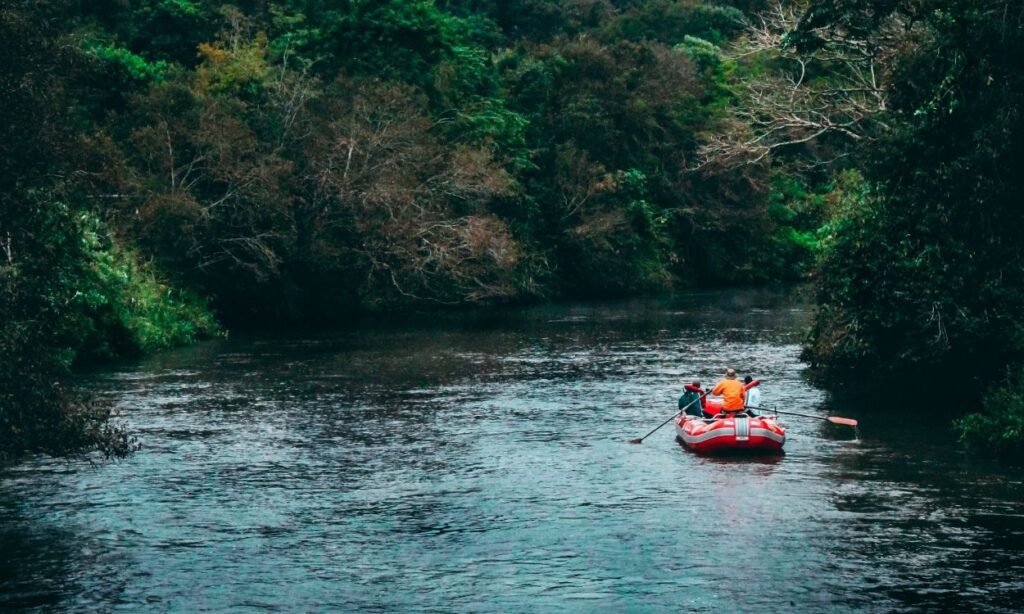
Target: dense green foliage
{"type": "Point", "coordinates": [68, 289]}
{"type": "Point", "coordinates": [924, 277]}
{"type": "Point", "coordinates": [163, 161]}
{"type": "Point", "coordinates": [304, 160]}
{"type": "Point", "coordinates": [1000, 430]}
{"type": "Point", "coordinates": [124, 306]}
{"type": "Point", "coordinates": [924, 274]}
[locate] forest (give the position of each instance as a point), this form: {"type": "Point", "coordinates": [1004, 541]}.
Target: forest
{"type": "Point", "coordinates": [173, 169]}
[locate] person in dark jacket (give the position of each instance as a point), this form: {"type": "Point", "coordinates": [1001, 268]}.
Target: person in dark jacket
{"type": "Point", "coordinates": [692, 399]}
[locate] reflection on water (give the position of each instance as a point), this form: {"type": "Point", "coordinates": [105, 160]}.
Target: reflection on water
{"type": "Point", "coordinates": [479, 461]}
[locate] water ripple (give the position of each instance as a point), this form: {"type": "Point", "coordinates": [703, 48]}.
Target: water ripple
{"type": "Point", "coordinates": [482, 465]}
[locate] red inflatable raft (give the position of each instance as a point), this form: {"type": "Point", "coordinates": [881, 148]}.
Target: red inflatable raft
{"type": "Point", "coordinates": [732, 433]}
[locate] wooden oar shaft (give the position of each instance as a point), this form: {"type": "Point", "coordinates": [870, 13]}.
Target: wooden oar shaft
{"type": "Point", "coordinates": [833, 419]}
{"type": "Point", "coordinates": [640, 440]}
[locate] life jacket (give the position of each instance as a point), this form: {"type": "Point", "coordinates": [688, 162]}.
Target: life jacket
{"type": "Point", "coordinates": [697, 389]}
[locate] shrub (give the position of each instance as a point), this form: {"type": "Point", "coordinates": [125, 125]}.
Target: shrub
{"type": "Point", "coordinates": [40, 334]}
{"type": "Point", "coordinates": [126, 307]}
{"type": "Point", "coordinates": [1000, 430]}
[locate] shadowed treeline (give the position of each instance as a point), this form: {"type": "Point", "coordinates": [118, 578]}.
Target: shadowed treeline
{"type": "Point", "coordinates": [168, 167]}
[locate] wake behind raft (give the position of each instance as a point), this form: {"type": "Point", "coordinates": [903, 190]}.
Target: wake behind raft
{"type": "Point", "coordinates": [730, 433]}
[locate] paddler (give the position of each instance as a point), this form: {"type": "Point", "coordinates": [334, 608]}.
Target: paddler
{"type": "Point", "coordinates": [753, 394]}
{"type": "Point", "coordinates": [732, 392]}
{"type": "Point", "coordinates": [693, 399]}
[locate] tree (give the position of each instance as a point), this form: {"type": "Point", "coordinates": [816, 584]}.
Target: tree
{"type": "Point", "coordinates": [924, 274]}
{"type": "Point", "coordinates": [404, 209]}
{"type": "Point", "coordinates": [39, 241]}
{"type": "Point", "coordinates": [807, 82]}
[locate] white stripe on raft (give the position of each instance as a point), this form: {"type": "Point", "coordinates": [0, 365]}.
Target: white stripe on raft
{"type": "Point", "coordinates": [706, 436]}
{"type": "Point", "coordinates": [742, 428]}
{"type": "Point", "coordinates": [723, 433]}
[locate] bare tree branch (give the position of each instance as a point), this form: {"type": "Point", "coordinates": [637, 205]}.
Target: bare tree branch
{"type": "Point", "coordinates": [833, 88]}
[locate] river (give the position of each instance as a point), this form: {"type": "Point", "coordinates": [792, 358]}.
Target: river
{"type": "Point", "coordinates": [479, 461]}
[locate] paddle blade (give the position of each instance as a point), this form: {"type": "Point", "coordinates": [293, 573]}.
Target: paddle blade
{"type": "Point", "coordinates": [846, 421]}
{"type": "Point", "coordinates": [636, 441]}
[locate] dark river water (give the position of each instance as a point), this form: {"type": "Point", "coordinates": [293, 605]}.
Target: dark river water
{"type": "Point", "coordinates": [478, 462]}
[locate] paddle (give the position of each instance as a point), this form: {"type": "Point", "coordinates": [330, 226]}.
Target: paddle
{"type": "Point", "coordinates": [832, 419]}
{"type": "Point", "coordinates": [641, 439]}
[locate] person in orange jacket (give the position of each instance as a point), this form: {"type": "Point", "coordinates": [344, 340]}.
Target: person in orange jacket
{"type": "Point", "coordinates": [732, 392]}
